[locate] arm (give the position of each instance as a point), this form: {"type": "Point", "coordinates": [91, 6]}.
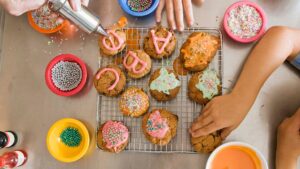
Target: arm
{"type": "Point", "coordinates": [278, 45]}
{"type": "Point", "coordinates": [18, 7]}
{"type": "Point", "coordinates": [227, 112]}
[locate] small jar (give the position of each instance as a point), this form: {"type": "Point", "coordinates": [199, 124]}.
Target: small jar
{"type": "Point", "coordinates": [8, 139]}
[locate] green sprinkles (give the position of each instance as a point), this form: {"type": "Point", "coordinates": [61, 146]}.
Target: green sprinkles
{"type": "Point", "coordinates": [71, 137]}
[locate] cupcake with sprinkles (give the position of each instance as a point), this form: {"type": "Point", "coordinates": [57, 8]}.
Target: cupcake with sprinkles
{"type": "Point", "coordinates": [134, 102]}
{"type": "Point", "coordinates": [164, 84]}
{"type": "Point", "coordinates": [160, 42]}
{"type": "Point", "coordinates": [203, 86]}
{"type": "Point", "coordinates": [113, 136]}
{"type": "Point", "coordinates": [160, 126]}
{"type": "Point", "coordinates": [244, 21]}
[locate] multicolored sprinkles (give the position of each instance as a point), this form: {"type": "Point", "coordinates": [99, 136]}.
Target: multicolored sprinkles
{"type": "Point", "coordinates": [114, 134]}
{"type": "Point", "coordinates": [134, 100]}
{"type": "Point", "coordinates": [45, 18]}
{"type": "Point", "coordinates": [139, 5]}
{"type": "Point", "coordinates": [156, 125]}
{"type": "Point", "coordinates": [71, 137]}
{"type": "Point", "coordinates": [244, 21]}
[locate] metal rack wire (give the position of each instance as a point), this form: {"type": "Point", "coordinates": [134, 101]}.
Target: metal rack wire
{"type": "Point", "coordinates": [186, 110]}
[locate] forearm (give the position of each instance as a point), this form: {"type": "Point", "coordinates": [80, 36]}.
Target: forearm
{"type": "Point", "coordinates": [275, 47]}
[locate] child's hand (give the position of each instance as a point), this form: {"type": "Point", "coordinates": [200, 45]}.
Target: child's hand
{"type": "Point", "coordinates": [221, 113]}
{"type": "Point", "coordinates": [288, 142]}
{"type": "Point", "coordinates": [18, 7]}
{"type": "Point", "coordinates": [177, 7]}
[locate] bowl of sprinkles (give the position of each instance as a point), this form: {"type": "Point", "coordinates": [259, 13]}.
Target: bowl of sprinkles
{"type": "Point", "coordinates": [66, 75]}
{"type": "Point", "coordinates": [45, 21]}
{"type": "Point", "coordinates": [139, 8]}
{"type": "Point", "coordinates": [244, 22]}
{"type": "Point", "coordinates": [68, 140]}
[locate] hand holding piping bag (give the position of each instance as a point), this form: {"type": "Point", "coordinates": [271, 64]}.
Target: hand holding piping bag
{"type": "Point", "coordinates": [177, 8]}
{"type": "Point", "coordinates": [18, 7]}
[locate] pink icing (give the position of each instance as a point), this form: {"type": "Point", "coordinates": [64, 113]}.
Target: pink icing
{"type": "Point", "coordinates": [156, 39]}
{"type": "Point", "coordinates": [156, 125]}
{"type": "Point", "coordinates": [135, 63]}
{"type": "Point", "coordinates": [114, 47]}
{"type": "Point", "coordinates": [114, 134]}
{"type": "Point", "coordinates": [116, 75]}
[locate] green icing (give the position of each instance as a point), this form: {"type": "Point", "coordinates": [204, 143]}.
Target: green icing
{"type": "Point", "coordinates": [208, 84]}
{"type": "Point", "coordinates": [166, 81]}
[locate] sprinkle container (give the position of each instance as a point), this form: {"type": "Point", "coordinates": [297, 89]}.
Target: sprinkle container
{"type": "Point", "coordinates": [138, 8]}
{"type": "Point", "coordinates": [58, 149]}
{"type": "Point", "coordinates": [70, 59]}
{"type": "Point", "coordinates": [252, 24]}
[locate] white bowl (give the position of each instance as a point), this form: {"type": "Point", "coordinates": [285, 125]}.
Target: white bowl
{"type": "Point", "coordinates": [262, 159]}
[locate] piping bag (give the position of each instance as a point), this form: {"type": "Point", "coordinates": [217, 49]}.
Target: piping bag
{"type": "Point", "coordinates": [83, 18]}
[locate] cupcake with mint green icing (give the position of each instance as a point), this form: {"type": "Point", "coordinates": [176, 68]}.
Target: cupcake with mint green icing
{"type": "Point", "coordinates": [203, 86]}
{"type": "Point", "coordinates": [164, 84]}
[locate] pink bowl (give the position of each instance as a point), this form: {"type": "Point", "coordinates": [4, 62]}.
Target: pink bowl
{"type": "Point", "coordinates": [70, 58]}
{"type": "Point", "coordinates": [244, 40]}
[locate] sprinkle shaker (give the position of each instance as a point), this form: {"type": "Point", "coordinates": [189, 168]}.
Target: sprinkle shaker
{"type": "Point", "coordinates": [83, 18]}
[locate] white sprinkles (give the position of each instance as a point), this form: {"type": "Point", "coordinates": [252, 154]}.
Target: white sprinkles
{"type": "Point", "coordinates": [66, 75]}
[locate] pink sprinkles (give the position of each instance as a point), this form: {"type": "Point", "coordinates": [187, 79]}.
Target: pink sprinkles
{"type": "Point", "coordinates": [244, 21]}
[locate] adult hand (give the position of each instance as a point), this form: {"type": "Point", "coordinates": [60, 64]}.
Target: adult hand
{"type": "Point", "coordinates": [177, 8]}
{"type": "Point", "coordinates": [288, 142]}
{"type": "Point", "coordinates": [221, 113]}
{"type": "Point", "coordinates": [18, 7]}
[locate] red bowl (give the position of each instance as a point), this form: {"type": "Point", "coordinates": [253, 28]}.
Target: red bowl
{"type": "Point", "coordinates": [244, 40]}
{"type": "Point", "coordinates": [70, 58]}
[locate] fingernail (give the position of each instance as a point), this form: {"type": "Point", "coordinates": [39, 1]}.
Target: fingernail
{"type": "Point", "coordinates": [174, 27]}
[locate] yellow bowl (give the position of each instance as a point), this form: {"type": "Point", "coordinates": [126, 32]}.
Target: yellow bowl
{"type": "Point", "coordinates": [58, 149]}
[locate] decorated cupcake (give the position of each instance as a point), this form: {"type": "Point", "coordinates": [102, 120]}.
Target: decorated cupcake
{"type": "Point", "coordinates": [110, 80]}
{"type": "Point", "coordinates": [113, 136]}
{"type": "Point", "coordinates": [203, 86]}
{"type": "Point", "coordinates": [137, 63]}
{"type": "Point", "coordinates": [116, 41]}
{"type": "Point", "coordinates": [134, 102]}
{"type": "Point", "coordinates": [160, 43]}
{"type": "Point", "coordinates": [160, 126]}
{"type": "Point", "coordinates": [164, 84]}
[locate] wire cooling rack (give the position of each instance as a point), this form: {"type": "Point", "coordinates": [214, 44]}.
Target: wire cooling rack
{"type": "Point", "coordinates": [185, 109]}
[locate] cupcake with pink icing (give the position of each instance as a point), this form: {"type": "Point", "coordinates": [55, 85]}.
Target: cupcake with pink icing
{"type": "Point", "coordinates": [137, 63]}
{"type": "Point", "coordinates": [110, 80]}
{"type": "Point", "coordinates": [160, 42]}
{"type": "Point", "coordinates": [160, 126]}
{"type": "Point", "coordinates": [113, 136]}
{"type": "Point", "coordinates": [115, 42]}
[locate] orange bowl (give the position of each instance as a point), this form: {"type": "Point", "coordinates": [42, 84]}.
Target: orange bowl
{"type": "Point", "coordinates": [42, 30]}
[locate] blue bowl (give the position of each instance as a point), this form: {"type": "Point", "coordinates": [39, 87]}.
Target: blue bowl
{"type": "Point", "coordinates": [126, 8]}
